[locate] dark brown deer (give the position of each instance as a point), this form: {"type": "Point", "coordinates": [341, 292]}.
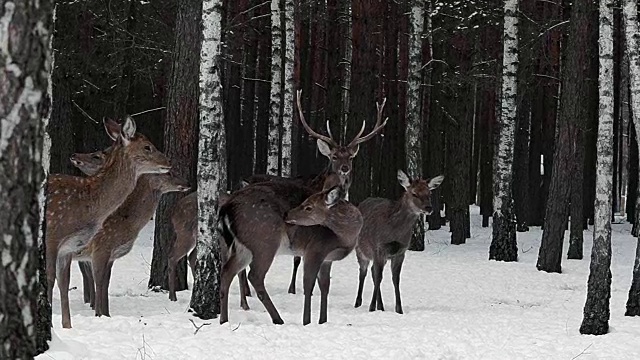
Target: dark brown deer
{"type": "Point", "coordinates": [185, 223]}
{"type": "Point", "coordinates": [258, 222]}
{"type": "Point", "coordinates": [340, 162]}
{"type": "Point", "coordinates": [77, 207]}
{"type": "Point", "coordinates": [386, 233]}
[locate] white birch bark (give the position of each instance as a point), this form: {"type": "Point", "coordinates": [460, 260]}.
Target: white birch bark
{"type": "Point", "coordinates": [504, 163]}
{"type": "Point", "coordinates": [630, 12]}
{"type": "Point", "coordinates": [413, 130]}
{"type": "Point", "coordinates": [287, 115]}
{"type": "Point", "coordinates": [212, 174]}
{"type": "Point", "coordinates": [346, 66]}
{"type": "Point", "coordinates": [596, 309]}
{"type": "Point", "coordinates": [503, 244]}
{"type": "Point", "coordinates": [276, 89]}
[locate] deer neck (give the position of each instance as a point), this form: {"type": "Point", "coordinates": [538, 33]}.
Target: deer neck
{"type": "Point", "coordinates": [110, 187]}
{"type": "Point", "coordinates": [345, 220]}
{"type": "Point", "coordinates": [403, 212]}
{"type": "Point", "coordinates": [140, 204]}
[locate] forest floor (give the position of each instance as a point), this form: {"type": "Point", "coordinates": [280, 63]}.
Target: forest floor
{"type": "Point", "coordinates": [457, 305]}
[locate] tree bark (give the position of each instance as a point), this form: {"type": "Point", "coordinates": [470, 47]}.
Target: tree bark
{"type": "Point", "coordinates": [180, 136]}
{"type": "Point", "coordinates": [630, 10]}
{"type": "Point", "coordinates": [503, 244]}
{"type": "Point", "coordinates": [275, 117]}
{"type": "Point", "coordinates": [566, 165]}
{"type": "Point", "coordinates": [596, 309]}
{"type": "Point", "coordinates": [287, 113]}
{"type": "Point", "coordinates": [413, 128]}
{"type": "Point", "coordinates": [25, 55]}
{"type": "Point", "coordinates": [212, 172]}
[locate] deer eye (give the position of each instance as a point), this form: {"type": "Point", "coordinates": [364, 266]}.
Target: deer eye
{"type": "Point", "coordinates": [147, 148]}
{"type": "Point", "coordinates": [307, 208]}
{"type": "Point", "coordinates": [97, 157]}
{"type": "Point", "coordinates": [333, 157]}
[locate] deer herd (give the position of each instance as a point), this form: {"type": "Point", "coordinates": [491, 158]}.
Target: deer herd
{"type": "Point", "coordinates": [96, 220]}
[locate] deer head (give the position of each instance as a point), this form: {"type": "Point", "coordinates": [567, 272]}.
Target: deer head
{"type": "Point", "coordinates": [418, 192]}
{"type": "Point", "coordinates": [144, 154]}
{"type": "Point", "coordinates": [341, 156]}
{"type": "Point", "coordinates": [168, 183]}
{"type": "Point", "coordinates": [90, 163]}
{"type": "Point", "coordinates": [315, 209]}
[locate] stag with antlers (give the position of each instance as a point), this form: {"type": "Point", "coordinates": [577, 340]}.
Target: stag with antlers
{"type": "Point", "coordinates": [340, 161]}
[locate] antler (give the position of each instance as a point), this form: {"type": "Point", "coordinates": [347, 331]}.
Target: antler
{"type": "Point", "coordinates": [377, 127]}
{"type": "Point", "coordinates": [324, 138]}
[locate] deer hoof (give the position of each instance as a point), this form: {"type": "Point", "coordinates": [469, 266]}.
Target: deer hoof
{"type": "Point", "coordinates": [358, 303]}
{"type": "Point", "coordinates": [278, 321]}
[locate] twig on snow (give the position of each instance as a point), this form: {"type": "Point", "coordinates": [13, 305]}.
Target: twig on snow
{"type": "Point", "coordinates": [198, 327]}
{"type": "Point", "coordinates": [582, 353]}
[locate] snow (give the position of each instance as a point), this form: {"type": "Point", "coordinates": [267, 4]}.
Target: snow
{"type": "Point", "coordinates": [458, 305]}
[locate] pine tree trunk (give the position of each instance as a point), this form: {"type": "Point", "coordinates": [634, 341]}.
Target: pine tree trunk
{"type": "Point", "coordinates": [503, 244]}
{"type": "Point", "coordinates": [576, 235]}
{"type": "Point", "coordinates": [212, 172]}
{"type": "Point", "coordinates": [180, 136]}
{"type": "Point", "coordinates": [632, 185]}
{"type": "Point", "coordinates": [346, 64]}
{"type": "Point", "coordinates": [573, 109]}
{"type": "Point", "coordinates": [24, 109]}
{"type": "Point", "coordinates": [596, 309]}
{"type": "Point", "coordinates": [413, 129]}
{"type": "Point", "coordinates": [630, 9]}
{"type": "Point", "coordinates": [275, 116]}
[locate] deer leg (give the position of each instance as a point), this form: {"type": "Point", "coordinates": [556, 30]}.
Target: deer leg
{"type": "Point", "coordinates": [236, 261]}
{"type": "Point", "coordinates": [193, 259]}
{"type": "Point", "coordinates": [296, 264]}
{"type": "Point", "coordinates": [244, 283]}
{"type": "Point", "coordinates": [324, 281]}
{"type": "Point", "coordinates": [51, 264]}
{"type": "Point", "coordinates": [105, 289]}
{"type": "Point", "coordinates": [244, 289]}
{"type": "Point", "coordinates": [376, 273]}
{"type": "Point", "coordinates": [364, 264]}
{"type": "Point", "coordinates": [88, 285]}
{"type": "Point", "coordinates": [259, 268]}
{"type": "Point", "coordinates": [99, 264]}
{"type": "Point", "coordinates": [63, 268]}
{"type": "Point", "coordinates": [396, 266]}
{"type": "Point", "coordinates": [171, 273]}
{"type": "Point", "coordinates": [312, 266]}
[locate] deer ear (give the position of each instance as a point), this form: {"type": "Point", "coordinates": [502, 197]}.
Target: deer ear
{"type": "Point", "coordinates": [403, 179]}
{"type": "Point", "coordinates": [128, 128]}
{"type": "Point", "coordinates": [435, 182]}
{"type": "Point", "coordinates": [324, 148]}
{"type": "Point", "coordinates": [243, 183]}
{"type": "Point", "coordinates": [332, 196]}
{"type": "Point", "coordinates": [112, 128]}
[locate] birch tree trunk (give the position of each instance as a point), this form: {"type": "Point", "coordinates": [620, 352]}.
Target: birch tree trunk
{"type": "Point", "coordinates": [596, 308]}
{"type": "Point", "coordinates": [346, 67]}
{"type": "Point", "coordinates": [273, 157]}
{"type": "Point", "coordinates": [212, 172]}
{"type": "Point", "coordinates": [287, 115]}
{"type": "Point", "coordinates": [413, 129]}
{"type": "Point", "coordinates": [25, 30]}
{"type": "Point", "coordinates": [503, 244]}
{"type": "Point", "coordinates": [630, 12]}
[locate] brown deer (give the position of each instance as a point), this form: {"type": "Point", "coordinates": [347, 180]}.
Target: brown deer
{"type": "Point", "coordinates": [77, 207]}
{"type": "Point", "coordinates": [386, 233]}
{"type": "Point", "coordinates": [121, 229]}
{"type": "Point", "coordinates": [258, 223]}
{"type": "Point", "coordinates": [185, 223]}
{"type": "Point", "coordinates": [340, 162]}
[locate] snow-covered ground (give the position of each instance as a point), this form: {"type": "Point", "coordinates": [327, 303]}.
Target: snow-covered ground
{"type": "Point", "coordinates": [457, 304]}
